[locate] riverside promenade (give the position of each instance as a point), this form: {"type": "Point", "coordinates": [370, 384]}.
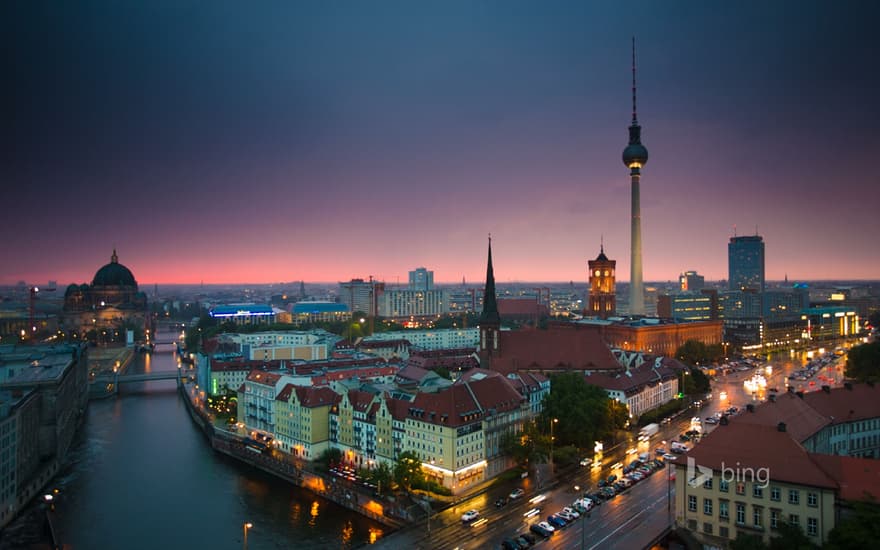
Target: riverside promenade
{"type": "Point", "coordinates": [385, 510]}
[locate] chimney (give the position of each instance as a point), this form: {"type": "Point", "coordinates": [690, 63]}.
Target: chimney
{"type": "Point", "coordinates": [750, 407]}
{"type": "Point", "coordinates": [826, 389]}
{"type": "Point", "coordinates": [848, 385]}
{"type": "Point", "coordinates": [781, 426]}
{"type": "Point", "coordinates": [799, 394]}
{"type": "Point", "coordinates": [772, 398]}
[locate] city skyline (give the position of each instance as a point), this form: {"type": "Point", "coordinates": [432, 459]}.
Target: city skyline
{"type": "Point", "coordinates": [325, 143]}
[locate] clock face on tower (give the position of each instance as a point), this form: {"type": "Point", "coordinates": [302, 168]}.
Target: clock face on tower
{"type": "Point", "coordinates": [606, 272]}
{"type": "Point", "coordinates": [598, 273]}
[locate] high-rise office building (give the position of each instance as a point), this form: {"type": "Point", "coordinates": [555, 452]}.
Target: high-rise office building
{"type": "Point", "coordinates": [421, 279]}
{"type": "Point", "coordinates": [745, 263]}
{"type": "Point", "coordinates": [360, 295]}
{"type": "Point", "coordinates": [691, 281]}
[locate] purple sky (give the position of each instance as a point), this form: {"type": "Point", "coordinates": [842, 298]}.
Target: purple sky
{"type": "Point", "coordinates": [223, 142]}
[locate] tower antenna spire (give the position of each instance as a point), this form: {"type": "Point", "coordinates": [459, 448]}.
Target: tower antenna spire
{"type": "Point", "coordinates": [635, 119]}
{"type": "Point", "coordinates": [602, 243]}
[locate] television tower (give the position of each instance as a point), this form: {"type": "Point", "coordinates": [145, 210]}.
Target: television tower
{"type": "Point", "coordinates": [634, 157]}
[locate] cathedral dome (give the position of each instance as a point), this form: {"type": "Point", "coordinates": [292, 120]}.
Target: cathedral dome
{"type": "Point", "coordinates": [114, 274]}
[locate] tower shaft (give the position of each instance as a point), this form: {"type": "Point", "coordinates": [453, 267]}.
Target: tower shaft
{"type": "Point", "coordinates": [636, 287]}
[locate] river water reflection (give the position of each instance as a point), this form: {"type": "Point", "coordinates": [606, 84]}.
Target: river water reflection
{"type": "Point", "coordinates": [144, 477]}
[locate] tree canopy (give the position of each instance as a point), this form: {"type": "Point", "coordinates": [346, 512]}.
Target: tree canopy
{"type": "Point", "coordinates": [694, 352]}
{"type": "Point", "coordinates": [863, 363]}
{"type": "Point", "coordinates": [527, 447]}
{"type": "Point", "coordinates": [859, 530]}
{"type": "Point", "coordinates": [584, 412]}
{"type": "Point", "coordinates": [408, 470]}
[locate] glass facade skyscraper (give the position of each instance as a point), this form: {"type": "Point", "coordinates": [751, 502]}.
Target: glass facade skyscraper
{"type": "Point", "coordinates": [745, 263]}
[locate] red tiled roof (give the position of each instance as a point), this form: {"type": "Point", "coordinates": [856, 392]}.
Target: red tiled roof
{"type": "Point", "coordinates": [631, 381]}
{"type": "Point", "coordinates": [838, 405]}
{"type": "Point", "coordinates": [264, 378]}
{"type": "Point", "coordinates": [284, 394]}
{"type": "Point", "coordinates": [856, 477]}
{"type": "Point", "coordinates": [801, 420]}
{"type": "Point", "coordinates": [311, 396]}
{"type": "Point", "coordinates": [745, 445]}
{"type": "Point", "coordinates": [360, 400]}
{"type": "Point", "coordinates": [465, 402]}
{"type": "Point", "coordinates": [521, 307]}
{"type": "Point", "coordinates": [412, 373]}
{"type": "Point", "coordinates": [397, 407]}
{"type": "Point", "coordinates": [555, 349]}
{"type": "Point", "coordinates": [344, 374]}
{"type": "Point", "coordinates": [460, 362]}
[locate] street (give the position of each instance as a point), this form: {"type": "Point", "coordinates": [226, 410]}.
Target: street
{"type": "Point", "coordinates": [630, 520]}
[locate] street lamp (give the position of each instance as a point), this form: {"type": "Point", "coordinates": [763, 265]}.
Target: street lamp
{"type": "Point", "coordinates": [247, 526]}
{"type": "Point", "coordinates": [552, 468]}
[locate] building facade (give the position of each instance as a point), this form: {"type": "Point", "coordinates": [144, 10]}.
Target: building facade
{"type": "Point", "coordinates": [360, 295]}
{"type": "Point", "coordinates": [745, 263]}
{"type": "Point", "coordinates": [111, 301]}
{"type": "Point", "coordinates": [602, 295]}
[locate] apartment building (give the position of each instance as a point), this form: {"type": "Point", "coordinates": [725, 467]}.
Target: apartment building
{"type": "Point", "coordinates": [795, 459]}
{"type": "Point", "coordinates": [302, 420]}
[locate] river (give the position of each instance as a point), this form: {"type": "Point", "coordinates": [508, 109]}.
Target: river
{"type": "Point", "coordinates": [141, 476]}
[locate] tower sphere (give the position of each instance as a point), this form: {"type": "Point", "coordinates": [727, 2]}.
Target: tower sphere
{"type": "Point", "coordinates": [635, 154]}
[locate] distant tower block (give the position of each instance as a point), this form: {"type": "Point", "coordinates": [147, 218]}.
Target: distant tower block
{"type": "Point", "coordinates": [602, 299]}
{"type": "Point", "coordinates": [634, 157]}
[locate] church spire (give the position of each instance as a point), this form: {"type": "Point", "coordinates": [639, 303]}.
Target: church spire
{"type": "Point", "coordinates": [490, 304]}
{"type": "Point", "coordinates": [114, 259]}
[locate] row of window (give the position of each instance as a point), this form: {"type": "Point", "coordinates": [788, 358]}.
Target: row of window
{"type": "Point", "coordinates": [794, 495]}
{"type": "Point", "coordinates": [757, 515]}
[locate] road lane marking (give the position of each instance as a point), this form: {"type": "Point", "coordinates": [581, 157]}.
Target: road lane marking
{"type": "Point", "coordinates": [624, 524]}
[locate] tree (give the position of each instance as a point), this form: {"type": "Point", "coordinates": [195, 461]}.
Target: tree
{"type": "Point", "coordinates": [859, 530]}
{"type": "Point", "coordinates": [863, 363]}
{"type": "Point", "coordinates": [408, 470]}
{"type": "Point", "coordinates": [745, 541]}
{"type": "Point", "coordinates": [790, 537]}
{"type": "Point", "coordinates": [382, 476]}
{"type": "Point", "coordinates": [443, 372]}
{"type": "Point", "coordinates": [694, 352]}
{"type": "Point", "coordinates": [329, 458]}
{"type": "Point", "coordinates": [583, 412]}
{"type": "Point", "coordinates": [527, 447]}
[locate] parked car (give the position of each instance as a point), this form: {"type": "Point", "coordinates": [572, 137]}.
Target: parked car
{"type": "Point", "coordinates": [556, 521]}
{"type": "Point", "coordinates": [510, 544]}
{"type": "Point", "coordinates": [529, 537]}
{"type": "Point", "coordinates": [516, 493]}
{"type": "Point", "coordinates": [565, 515]}
{"type": "Point", "coordinates": [571, 512]}
{"type": "Point", "coordinates": [546, 526]}
{"type": "Point", "coordinates": [538, 529]}
{"type": "Point", "coordinates": [470, 516]}
{"type": "Point", "coordinates": [522, 541]}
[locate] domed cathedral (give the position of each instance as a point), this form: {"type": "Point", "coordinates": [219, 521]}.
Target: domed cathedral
{"type": "Point", "coordinates": [111, 301]}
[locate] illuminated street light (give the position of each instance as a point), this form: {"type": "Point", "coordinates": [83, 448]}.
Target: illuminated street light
{"type": "Point", "coordinates": [247, 526]}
